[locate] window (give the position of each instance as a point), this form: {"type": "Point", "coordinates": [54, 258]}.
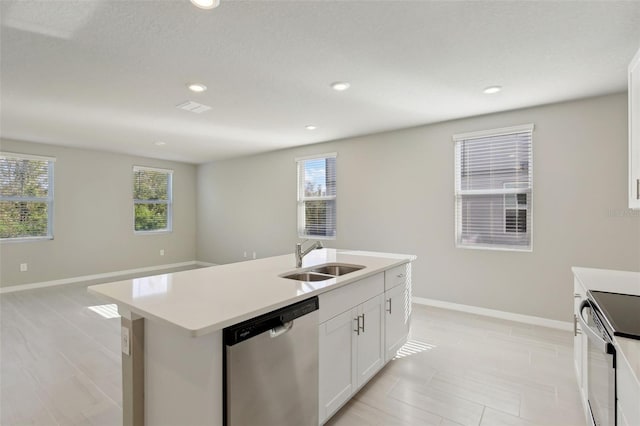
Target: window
{"type": "Point", "coordinates": [493, 189]}
{"type": "Point", "coordinates": [152, 197]}
{"type": "Point", "coordinates": [26, 196]}
{"type": "Point", "coordinates": [317, 196]}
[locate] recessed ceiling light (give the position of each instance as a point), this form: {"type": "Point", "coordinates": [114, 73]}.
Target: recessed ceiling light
{"type": "Point", "coordinates": [310, 127]}
{"type": "Point", "coordinates": [340, 85]}
{"type": "Point", "coordinates": [206, 4]}
{"type": "Point", "coordinates": [492, 89]}
{"type": "Point", "coordinates": [159, 143]}
{"type": "Point", "coordinates": [197, 87]}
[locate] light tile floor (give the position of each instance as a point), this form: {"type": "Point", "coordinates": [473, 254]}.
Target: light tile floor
{"type": "Point", "coordinates": [472, 370]}
{"type": "Point", "coordinates": [60, 365]}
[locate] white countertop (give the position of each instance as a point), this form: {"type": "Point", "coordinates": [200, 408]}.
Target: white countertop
{"type": "Point", "coordinates": [625, 282]}
{"type": "Point", "coordinates": [204, 300]}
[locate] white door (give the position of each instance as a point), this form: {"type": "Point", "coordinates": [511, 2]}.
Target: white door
{"type": "Point", "coordinates": [396, 319]}
{"type": "Point", "coordinates": [370, 353]}
{"type": "Point", "coordinates": [336, 367]}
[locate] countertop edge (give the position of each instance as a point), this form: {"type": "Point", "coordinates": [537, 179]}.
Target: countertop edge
{"type": "Point", "coordinates": [396, 260]}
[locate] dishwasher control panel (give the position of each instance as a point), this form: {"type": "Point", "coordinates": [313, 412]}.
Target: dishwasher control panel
{"type": "Point", "coordinates": [247, 329]}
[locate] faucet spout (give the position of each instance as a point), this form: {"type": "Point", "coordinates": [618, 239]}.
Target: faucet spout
{"type": "Point", "coordinates": [300, 253]}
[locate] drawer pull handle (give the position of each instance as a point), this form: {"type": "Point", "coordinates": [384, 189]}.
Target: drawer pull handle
{"type": "Point", "coordinates": [576, 330]}
{"type": "Point", "coordinates": [400, 275]}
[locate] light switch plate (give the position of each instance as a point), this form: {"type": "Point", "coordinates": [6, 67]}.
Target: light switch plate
{"type": "Point", "coordinates": [125, 341]}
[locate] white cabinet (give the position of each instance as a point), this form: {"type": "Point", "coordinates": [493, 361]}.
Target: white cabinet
{"type": "Point", "coordinates": [580, 346]}
{"type": "Point", "coordinates": [337, 373]}
{"type": "Point", "coordinates": [351, 341]}
{"type": "Point", "coordinates": [634, 132]}
{"type": "Point", "coordinates": [358, 335]}
{"type": "Point", "coordinates": [370, 339]}
{"type": "Point", "coordinates": [397, 318]}
{"type": "Point", "coordinates": [351, 353]}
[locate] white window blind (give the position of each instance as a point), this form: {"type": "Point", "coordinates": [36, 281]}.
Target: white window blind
{"type": "Point", "coordinates": [317, 196]}
{"type": "Point", "coordinates": [493, 189]}
{"type": "Point", "coordinates": [152, 199]}
{"type": "Point", "coordinates": [26, 196]}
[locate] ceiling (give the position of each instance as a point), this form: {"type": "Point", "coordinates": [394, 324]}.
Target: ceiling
{"type": "Point", "coordinates": [108, 75]}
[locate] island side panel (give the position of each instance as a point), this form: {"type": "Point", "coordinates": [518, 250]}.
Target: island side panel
{"type": "Point", "coordinates": [132, 369]}
{"type": "Point", "coordinates": [183, 377]}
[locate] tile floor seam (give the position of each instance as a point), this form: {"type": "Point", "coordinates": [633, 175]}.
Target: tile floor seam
{"type": "Point", "coordinates": [89, 379]}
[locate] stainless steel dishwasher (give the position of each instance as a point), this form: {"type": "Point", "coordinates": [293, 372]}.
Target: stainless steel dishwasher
{"type": "Point", "coordinates": [271, 368]}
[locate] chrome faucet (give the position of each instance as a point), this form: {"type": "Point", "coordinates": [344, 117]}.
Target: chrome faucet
{"type": "Point", "coordinates": [302, 253]}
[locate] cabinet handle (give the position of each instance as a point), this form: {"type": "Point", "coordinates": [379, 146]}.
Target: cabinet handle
{"type": "Point", "coordinates": [402, 275]}
{"type": "Point", "coordinates": [357, 320]}
{"type": "Point", "coordinates": [576, 330]}
{"type": "Point", "coordinates": [362, 329]}
{"type": "Point", "coordinates": [389, 300]}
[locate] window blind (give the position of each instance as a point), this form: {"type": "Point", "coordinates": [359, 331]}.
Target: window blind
{"type": "Point", "coordinates": [317, 196]}
{"type": "Point", "coordinates": [152, 199]}
{"type": "Point", "coordinates": [26, 196]}
{"type": "Point", "coordinates": [493, 189]}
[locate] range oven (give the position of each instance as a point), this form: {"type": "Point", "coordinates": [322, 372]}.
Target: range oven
{"type": "Point", "coordinates": [601, 365]}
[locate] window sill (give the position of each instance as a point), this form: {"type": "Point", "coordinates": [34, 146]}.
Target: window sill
{"type": "Point", "coordinates": [315, 237]}
{"type": "Point", "coordinates": [495, 248]}
{"type": "Point", "coordinates": [25, 240]}
{"type": "Point", "coordinates": [164, 231]}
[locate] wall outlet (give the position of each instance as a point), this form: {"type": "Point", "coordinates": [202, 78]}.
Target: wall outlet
{"type": "Point", "coordinates": [254, 254]}
{"type": "Point", "coordinates": [24, 267]}
{"type": "Point", "coordinates": [161, 252]}
{"type": "Point", "coordinates": [125, 342]}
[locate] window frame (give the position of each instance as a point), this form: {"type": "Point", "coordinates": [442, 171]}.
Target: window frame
{"type": "Point", "coordinates": [459, 138]}
{"type": "Point", "coordinates": [49, 199]}
{"type": "Point", "coordinates": [301, 199]}
{"type": "Point", "coordinates": [168, 201]}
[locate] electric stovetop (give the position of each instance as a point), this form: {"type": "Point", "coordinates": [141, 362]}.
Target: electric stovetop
{"type": "Point", "coordinates": [621, 311]}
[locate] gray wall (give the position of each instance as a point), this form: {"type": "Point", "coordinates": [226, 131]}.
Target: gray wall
{"type": "Point", "coordinates": [93, 218]}
{"type": "Point", "coordinates": [395, 193]}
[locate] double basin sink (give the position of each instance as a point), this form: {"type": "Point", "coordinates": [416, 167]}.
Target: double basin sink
{"type": "Point", "coordinates": [323, 272]}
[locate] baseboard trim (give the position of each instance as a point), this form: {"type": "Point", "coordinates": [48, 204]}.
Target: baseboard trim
{"type": "Point", "coordinates": [527, 319]}
{"type": "Point", "coordinates": [115, 274]}
{"type": "Point", "coordinates": [204, 264]}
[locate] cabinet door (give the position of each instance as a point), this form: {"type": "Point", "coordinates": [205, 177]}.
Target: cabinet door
{"type": "Point", "coordinates": [370, 352]}
{"type": "Point", "coordinates": [634, 132]}
{"type": "Point", "coordinates": [336, 367]}
{"type": "Point", "coordinates": [396, 319]}
{"type": "Point", "coordinates": [578, 296]}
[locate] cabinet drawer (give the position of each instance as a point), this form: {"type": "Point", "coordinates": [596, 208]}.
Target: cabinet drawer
{"type": "Point", "coordinates": [337, 301]}
{"type": "Point", "coordinates": [396, 276]}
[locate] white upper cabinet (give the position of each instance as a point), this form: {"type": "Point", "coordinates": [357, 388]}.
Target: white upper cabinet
{"type": "Point", "coordinates": [634, 132]}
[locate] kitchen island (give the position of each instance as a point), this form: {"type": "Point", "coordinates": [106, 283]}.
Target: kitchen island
{"type": "Point", "coordinates": [172, 325]}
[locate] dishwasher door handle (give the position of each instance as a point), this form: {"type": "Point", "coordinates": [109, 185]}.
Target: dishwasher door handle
{"type": "Point", "coordinates": [281, 329]}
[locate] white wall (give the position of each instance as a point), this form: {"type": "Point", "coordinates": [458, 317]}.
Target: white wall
{"type": "Point", "coordinates": [93, 218]}
{"type": "Point", "coordinates": [395, 193]}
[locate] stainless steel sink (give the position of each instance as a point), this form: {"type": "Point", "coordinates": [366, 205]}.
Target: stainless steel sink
{"type": "Point", "coordinates": [308, 276]}
{"type": "Point", "coordinates": [336, 269]}
{"type": "Point", "coordinates": [323, 272]}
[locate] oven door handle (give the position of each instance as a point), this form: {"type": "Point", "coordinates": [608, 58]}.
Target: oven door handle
{"type": "Point", "coordinates": [593, 336]}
